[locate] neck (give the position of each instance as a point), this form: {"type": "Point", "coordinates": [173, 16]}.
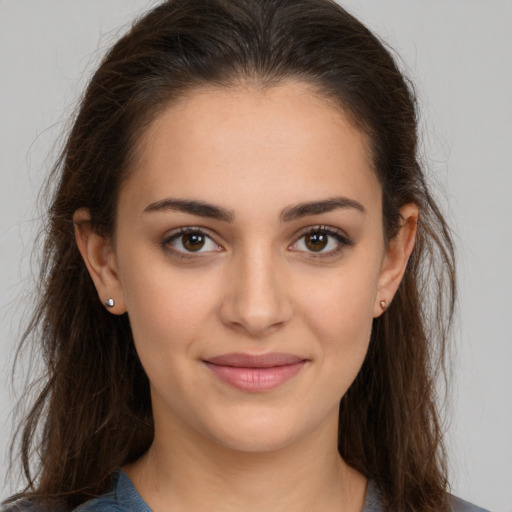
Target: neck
{"type": "Point", "coordinates": [193, 473]}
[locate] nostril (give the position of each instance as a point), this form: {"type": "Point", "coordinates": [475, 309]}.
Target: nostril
{"type": "Point", "coordinates": [255, 318]}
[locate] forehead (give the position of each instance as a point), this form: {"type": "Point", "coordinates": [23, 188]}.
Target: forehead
{"type": "Point", "coordinates": [245, 145]}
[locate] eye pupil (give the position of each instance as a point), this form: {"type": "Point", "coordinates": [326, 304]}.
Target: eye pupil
{"type": "Point", "coordinates": [193, 241]}
{"type": "Point", "coordinates": [316, 241]}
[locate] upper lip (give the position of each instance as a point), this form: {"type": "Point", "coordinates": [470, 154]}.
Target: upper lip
{"type": "Point", "coordinates": [242, 360]}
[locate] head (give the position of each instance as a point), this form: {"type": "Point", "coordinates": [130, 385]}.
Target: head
{"type": "Point", "coordinates": [328, 110]}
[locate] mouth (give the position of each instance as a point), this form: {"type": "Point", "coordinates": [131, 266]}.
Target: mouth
{"type": "Point", "coordinates": [255, 373]}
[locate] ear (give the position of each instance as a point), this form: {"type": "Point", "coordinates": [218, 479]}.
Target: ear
{"type": "Point", "coordinates": [396, 258]}
{"type": "Point", "coordinates": [100, 259]}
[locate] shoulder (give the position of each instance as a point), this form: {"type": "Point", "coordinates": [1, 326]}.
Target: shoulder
{"type": "Point", "coordinates": [123, 497]}
{"type": "Point", "coordinates": [374, 501]}
{"type": "Point", "coordinates": [103, 504]}
{"type": "Point", "coordinates": [18, 506]}
{"type": "Point", "coordinates": [27, 505]}
{"type": "Point", "coordinates": [107, 502]}
{"type": "Point", "coordinates": [458, 505]}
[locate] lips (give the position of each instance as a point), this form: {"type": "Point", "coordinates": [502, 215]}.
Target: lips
{"type": "Point", "coordinates": [255, 373]}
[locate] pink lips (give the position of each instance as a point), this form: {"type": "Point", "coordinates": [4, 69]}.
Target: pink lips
{"type": "Point", "coordinates": [255, 372]}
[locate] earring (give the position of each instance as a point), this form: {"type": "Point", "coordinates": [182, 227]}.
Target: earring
{"type": "Point", "coordinates": [383, 304]}
{"type": "Point", "coordinates": [109, 303]}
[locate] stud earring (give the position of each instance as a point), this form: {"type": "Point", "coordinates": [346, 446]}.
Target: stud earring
{"type": "Point", "coordinates": [109, 303]}
{"type": "Point", "coordinates": [383, 304]}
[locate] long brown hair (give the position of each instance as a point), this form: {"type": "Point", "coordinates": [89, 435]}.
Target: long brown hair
{"type": "Point", "coordinates": [93, 413]}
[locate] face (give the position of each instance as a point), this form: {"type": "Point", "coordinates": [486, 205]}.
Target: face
{"type": "Point", "coordinates": [249, 255]}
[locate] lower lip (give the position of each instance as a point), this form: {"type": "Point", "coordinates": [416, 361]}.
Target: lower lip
{"type": "Point", "coordinates": [255, 379]}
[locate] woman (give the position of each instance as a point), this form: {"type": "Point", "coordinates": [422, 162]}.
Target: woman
{"type": "Point", "coordinates": [239, 250]}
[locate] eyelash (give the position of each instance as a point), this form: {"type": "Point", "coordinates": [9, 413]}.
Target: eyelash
{"type": "Point", "coordinates": [341, 238]}
{"type": "Point", "coordinates": [175, 235]}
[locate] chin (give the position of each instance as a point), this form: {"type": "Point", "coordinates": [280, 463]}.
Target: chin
{"type": "Point", "coordinates": [258, 431]}
{"type": "Point", "coordinates": [263, 442]}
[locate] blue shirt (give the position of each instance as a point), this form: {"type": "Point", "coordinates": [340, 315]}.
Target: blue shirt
{"type": "Point", "coordinates": [123, 497]}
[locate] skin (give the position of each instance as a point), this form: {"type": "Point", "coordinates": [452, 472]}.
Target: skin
{"type": "Point", "coordinates": [255, 286]}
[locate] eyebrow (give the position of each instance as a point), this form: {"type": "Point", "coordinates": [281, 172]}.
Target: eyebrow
{"type": "Point", "coordinates": [199, 208]}
{"type": "Point", "coordinates": [290, 213]}
{"type": "Point", "coordinates": [317, 207]}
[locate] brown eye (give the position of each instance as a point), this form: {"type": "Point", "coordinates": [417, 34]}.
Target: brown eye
{"type": "Point", "coordinates": [189, 241]}
{"type": "Point", "coordinates": [193, 241]}
{"type": "Point", "coordinates": [322, 241]}
{"type": "Point", "coordinates": [316, 241]}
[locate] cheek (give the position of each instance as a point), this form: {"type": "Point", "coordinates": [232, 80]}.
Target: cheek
{"type": "Point", "coordinates": [166, 321]}
{"type": "Point", "coordinates": [342, 301]}
{"type": "Point", "coordinates": [167, 308]}
{"type": "Point", "coordinates": [344, 342]}
{"type": "Point", "coordinates": [340, 316]}
{"type": "Point", "coordinates": [343, 328]}
{"type": "Point", "coordinates": [167, 318]}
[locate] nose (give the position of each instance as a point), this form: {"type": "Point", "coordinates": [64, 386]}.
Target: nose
{"type": "Point", "coordinates": [256, 301]}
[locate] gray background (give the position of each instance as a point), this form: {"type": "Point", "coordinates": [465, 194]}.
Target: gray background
{"type": "Point", "coordinates": [458, 52]}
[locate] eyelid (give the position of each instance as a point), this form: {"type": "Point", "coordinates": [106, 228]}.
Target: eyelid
{"type": "Point", "coordinates": [183, 230]}
{"type": "Point", "coordinates": [339, 235]}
